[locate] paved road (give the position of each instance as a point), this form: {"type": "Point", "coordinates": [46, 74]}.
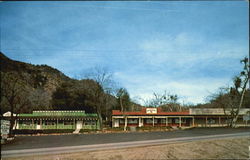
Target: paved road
{"type": "Point", "coordinates": [70, 149]}
{"type": "Point", "coordinates": [32, 142]}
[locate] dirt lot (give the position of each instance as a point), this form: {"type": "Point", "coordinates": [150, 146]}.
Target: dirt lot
{"type": "Point", "coordinates": [236, 148]}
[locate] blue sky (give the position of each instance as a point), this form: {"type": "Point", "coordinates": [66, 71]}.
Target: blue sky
{"type": "Point", "coordinates": [186, 48]}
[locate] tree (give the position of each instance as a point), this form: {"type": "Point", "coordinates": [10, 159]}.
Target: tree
{"type": "Point", "coordinates": [233, 98]}
{"type": "Point", "coordinates": [167, 101]}
{"type": "Point", "coordinates": [39, 99]}
{"type": "Point", "coordinates": [95, 97]}
{"type": "Point", "coordinates": [104, 78]}
{"type": "Point", "coordinates": [14, 94]}
{"type": "Point", "coordinates": [239, 90]}
{"type": "Point", "coordinates": [124, 101]}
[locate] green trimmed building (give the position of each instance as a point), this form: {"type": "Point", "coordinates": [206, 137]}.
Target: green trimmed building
{"type": "Point", "coordinates": [43, 120]}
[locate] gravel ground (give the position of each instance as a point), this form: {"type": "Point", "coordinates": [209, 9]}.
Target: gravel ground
{"type": "Point", "coordinates": [231, 148]}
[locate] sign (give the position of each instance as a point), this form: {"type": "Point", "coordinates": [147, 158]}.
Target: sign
{"type": "Point", "coordinates": [5, 126]}
{"type": "Point", "coordinates": [246, 118]}
{"type": "Point", "coordinates": [151, 110]}
{"type": "Point", "coordinates": [214, 111]}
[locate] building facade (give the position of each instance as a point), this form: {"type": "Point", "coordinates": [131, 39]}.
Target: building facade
{"type": "Point", "coordinates": [43, 120]}
{"type": "Point", "coordinates": [195, 117]}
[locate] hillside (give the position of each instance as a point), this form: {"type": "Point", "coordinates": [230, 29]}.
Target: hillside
{"type": "Point", "coordinates": [41, 82]}
{"type": "Point", "coordinates": [37, 75]}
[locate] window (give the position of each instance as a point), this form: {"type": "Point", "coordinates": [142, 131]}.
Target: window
{"type": "Point", "coordinates": [60, 122]}
{"type": "Point", "coordinates": [170, 120]}
{"type": "Point", "coordinates": [37, 122]}
{"type": "Point", "coordinates": [50, 122]}
{"type": "Point", "coordinates": [90, 122]}
{"type": "Point", "coordinates": [133, 121]}
{"type": "Point", "coordinates": [183, 120]}
{"type": "Point", "coordinates": [68, 122]}
{"type": "Point", "coordinates": [211, 121]}
{"type": "Point", "coordinates": [149, 120]}
{"type": "Point", "coordinates": [122, 121]}
{"type": "Point", "coordinates": [26, 122]}
{"type": "Point", "coordinates": [163, 120]}
{"type": "Point", "coordinates": [177, 120]}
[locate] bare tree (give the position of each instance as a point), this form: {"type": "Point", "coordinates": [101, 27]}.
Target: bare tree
{"type": "Point", "coordinates": [166, 101]}
{"type": "Point", "coordinates": [239, 90]}
{"type": "Point", "coordinates": [231, 98]}
{"type": "Point", "coordinates": [124, 101]}
{"type": "Point", "coordinates": [94, 96]}
{"type": "Point", "coordinates": [104, 78]}
{"type": "Point", "coordinates": [14, 93]}
{"type": "Point", "coordinates": [40, 99]}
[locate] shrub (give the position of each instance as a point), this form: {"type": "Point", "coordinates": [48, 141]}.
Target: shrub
{"type": "Point", "coordinates": [46, 131]}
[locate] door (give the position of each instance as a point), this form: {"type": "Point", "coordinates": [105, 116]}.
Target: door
{"type": "Point", "coordinates": [38, 125]}
{"type": "Point", "coordinates": [78, 124]}
{"type": "Point", "coordinates": [116, 123]}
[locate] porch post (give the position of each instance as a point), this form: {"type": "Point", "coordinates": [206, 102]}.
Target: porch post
{"type": "Point", "coordinates": [57, 123]}
{"type": "Point", "coordinates": [179, 121]}
{"type": "Point", "coordinates": [126, 122]}
{"type": "Point", "coordinates": [74, 124]}
{"type": "Point", "coordinates": [142, 124]}
{"type": "Point", "coordinates": [41, 124]}
{"type": "Point", "coordinates": [166, 121]}
{"type": "Point", "coordinates": [153, 121]}
{"type": "Point", "coordinates": [96, 123]}
{"type": "Point", "coordinates": [113, 122]}
{"type": "Point", "coordinates": [219, 121]}
{"type": "Point", "coordinates": [139, 124]}
{"type": "Point", "coordinates": [33, 123]}
{"type": "Point", "coordinates": [193, 121]}
{"type": "Point", "coordinates": [17, 124]}
{"type": "Point", "coordinates": [206, 122]}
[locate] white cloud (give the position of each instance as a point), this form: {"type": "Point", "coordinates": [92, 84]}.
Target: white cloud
{"type": "Point", "coordinates": [189, 90]}
{"type": "Point", "coordinates": [185, 49]}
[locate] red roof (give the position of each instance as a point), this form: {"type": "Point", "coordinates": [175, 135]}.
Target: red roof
{"type": "Point", "coordinates": [143, 112]}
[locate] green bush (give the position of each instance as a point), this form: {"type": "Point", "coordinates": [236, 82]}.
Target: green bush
{"type": "Point", "coordinates": [47, 131]}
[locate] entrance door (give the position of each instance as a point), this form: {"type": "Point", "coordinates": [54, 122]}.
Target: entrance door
{"type": "Point", "coordinates": [78, 124]}
{"type": "Point", "coordinates": [116, 123]}
{"type": "Point", "coordinates": [38, 125]}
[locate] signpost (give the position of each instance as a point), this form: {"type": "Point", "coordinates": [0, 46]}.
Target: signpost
{"type": "Point", "coordinates": [5, 126]}
{"type": "Point", "coordinates": [246, 117]}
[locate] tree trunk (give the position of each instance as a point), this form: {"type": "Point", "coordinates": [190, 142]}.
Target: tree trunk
{"type": "Point", "coordinates": [100, 118]}
{"type": "Point", "coordinates": [12, 121]}
{"type": "Point", "coordinates": [235, 118]}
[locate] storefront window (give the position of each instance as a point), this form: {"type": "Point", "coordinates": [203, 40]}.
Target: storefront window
{"type": "Point", "coordinates": [133, 121]}
{"type": "Point", "coordinates": [89, 122]}
{"type": "Point", "coordinates": [26, 122]}
{"type": "Point", "coordinates": [50, 122]}
{"type": "Point", "coordinates": [122, 121]}
{"type": "Point", "coordinates": [68, 122]}
{"type": "Point", "coordinates": [211, 121]}
{"type": "Point", "coordinates": [149, 120]}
